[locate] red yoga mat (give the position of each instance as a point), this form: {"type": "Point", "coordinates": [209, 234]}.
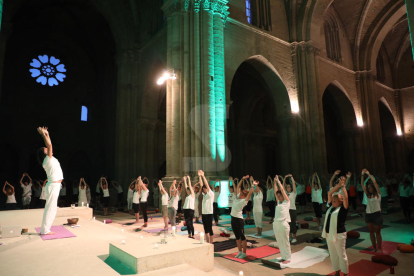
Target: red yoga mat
{"type": "Point", "coordinates": [387, 248]}
{"type": "Point", "coordinates": [365, 268]}
{"type": "Point", "coordinates": [253, 254]}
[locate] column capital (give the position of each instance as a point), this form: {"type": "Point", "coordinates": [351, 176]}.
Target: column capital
{"type": "Point", "coordinates": [308, 46]}
{"type": "Point", "coordinates": [365, 75]}
{"type": "Point", "coordinates": [182, 6]}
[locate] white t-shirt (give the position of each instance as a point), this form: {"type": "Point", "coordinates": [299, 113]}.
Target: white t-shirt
{"type": "Point", "coordinates": [189, 202]}
{"type": "Point", "coordinates": [207, 205]}
{"type": "Point", "coordinates": [231, 195]}
{"type": "Point", "coordinates": [257, 202]}
{"type": "Point", "coordinates": [317, 195]}
{"type": "Point", "coordinates": [62, 191]}
{"type": "Point", "coordinates": [282, 211]}
{"type": "Point", "coordinates": [164, 199]}
{"type": "Point", "coordinates": [135, 198]}
{"type": "Point", "coordinates": [53, 169]}
{"type": "Point", "coordinates": [119, 188]}
{"type": "Point", "coordinates": [173, 203]}
{"type": "Point", "coordinates": [383, 191]}
{"type": "Point", "coordinates": [270, 195]}
{"type": "Point", "coordinates": [238, 205]}
{"type": "Point", "coordinates": [144, 195]}
{"type": "Point", "coordinates": [27, 190]}
{"type": "Point", "coordinates": [373, 204]}
{"type": "Point", "coordinates": [106, 193]}
{"type": "Point", "coordinates": [43, 194]}
{"type": "Point", "coordinates": [11, 199]}
{"type": "Point", "coordinates": [292, 201]}
{"type": "Point", "coordinates": [216, 196]}
{"type": "Point", "coordinates": [404, 192]}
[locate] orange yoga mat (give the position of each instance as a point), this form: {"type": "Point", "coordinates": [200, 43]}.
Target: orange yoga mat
{"type": "Point", "coordinates": [253, 254]}
{"type": "Point", "coordinates": [365, 268]}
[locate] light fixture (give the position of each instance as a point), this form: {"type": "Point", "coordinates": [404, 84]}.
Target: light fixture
{"type": "Point", "coordinates": [360, 122]}
{"type": "Point", "coordinates": [169, 74]}
{"type": "Point", "coordinates": [399, 132]}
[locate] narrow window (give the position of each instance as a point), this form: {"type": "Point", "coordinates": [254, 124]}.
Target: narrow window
{"type": "Point", "coordinates": [84, 114]}
{"type": "Point", "coordinates": [248, 11]}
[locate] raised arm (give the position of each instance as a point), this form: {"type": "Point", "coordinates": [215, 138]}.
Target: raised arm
{"type": "Point", "coordinates": [30, 179]}
{"type": "Point", "coordinates": [319, 181]}
{"type": "Point", "coordinates": [293, 183]}
{"type": "Point", "coordinates": [4, 188]}
{"type": "Point", "coordinates": [253, 188]}
{"type": "Point", "coordinates": [21, 179]}
{"type": "Point", "coordinates": [285, 196]}
{"type": "Point", "coordinates": [230, 182]}
{"type": "Point", "coordinates": [348, 179]}
{"type": "Point", "coordinates": [141, 184]}
{"type": "Point", "coordinates": [100, 183]}
{"type": "Point", "coordinates": [269, 186]}
{"type": "Point", "coordinates": [162, 190]}
{"type": "Point", "coordinates": [219, 181]}
{"type": "Point", "coordinates": [189, 186]}
{"type": "Point", "coordinates": [205, 182]}
{"type": "Point", "coordinates": [313, 181]}
{"type": "Point", "coordinates": [333, 178]}
{"type": "Point", "coordinates": [373, 181]}
{"type": "Point", "coordinates": [46, 138]}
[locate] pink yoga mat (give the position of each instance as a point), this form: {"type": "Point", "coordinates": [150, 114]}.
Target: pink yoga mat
{"type": "Point", "coordinates": [253, 254]}
{"type": "Point", "coordinates": [61, 233]}
{"type": "Point", "coordinates": [387, 248]}
{"type": "Point", "coordinates": [365, 268]}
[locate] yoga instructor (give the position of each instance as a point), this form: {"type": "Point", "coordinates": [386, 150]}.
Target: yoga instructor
{"type": "Point", "coordinates": [54, 178]}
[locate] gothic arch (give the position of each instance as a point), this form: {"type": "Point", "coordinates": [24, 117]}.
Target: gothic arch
{"type": "Point", "coordinates": [387, 105]}
{"type": "Point", "coordinates": [332, 40]}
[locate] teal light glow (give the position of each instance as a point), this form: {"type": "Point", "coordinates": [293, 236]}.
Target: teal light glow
{"type": "Point", "coordinates": [1, 12]}
{"type": "Point", "coordinates": [409, 4]}
{"type": "Point", "coordinates": [223, 200]}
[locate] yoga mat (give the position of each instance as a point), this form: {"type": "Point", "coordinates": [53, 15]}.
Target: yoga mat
{"type": "Point", "coordinates": [245, 227]}
{"type": "Point", "coordinates": [253, 254]}
{"type": "Point", "coordinates": [387, 248]}
{"type": "Point", "coordinates": [227, 244]}
{"type": "Point", "coordinates": [61, 233]}
{"type": "Point", "coordinates": [156, 230]}
{"type": "Point", "coordinates": [224, 222]}
{"type": "Point", "coordinates": [366, 230]}
{"type": "Point", "coordinates": [349, 243]}
{"type": "Point", "coordinates": [365, 268]}
{"type": "Point", "coordinates": [183, 233]}
{"type": "Point", "coordinates": [265, 234]}
{"type": "Point", "coordinates": [401, 221]}
{"type": "Point", "coordinates": [307, 257]}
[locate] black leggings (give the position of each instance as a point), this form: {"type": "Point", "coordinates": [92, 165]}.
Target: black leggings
{"type": "Point", "coordinates": [352, 199]}
{"type": "Point", "coordinates": [237, 224]}
{"type": "Point", "coordinates": [189, 216]}
{"type": "Point", "coordinates": [272, 206]}
{"type": "Point", "coordinates": [216, 212]}
{"type": "Point", "coordinates": [143, 207]}
{"type": "Point", "coordinates": [208, 224]}
{"type": "Point", "coordinates": [405, 205]}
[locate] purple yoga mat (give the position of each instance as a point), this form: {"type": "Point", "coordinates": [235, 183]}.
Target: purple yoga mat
{"type": "Point", "coordinates": [61, 233]}
{"type": "Point", "coordinates": [161, 229]}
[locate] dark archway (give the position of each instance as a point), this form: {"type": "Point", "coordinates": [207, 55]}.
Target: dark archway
{"type": "Point", "coordinates": [389, 137]}
{"type": "Point", "coordinates": [260, 105]}
{"type": "Point", "coordinates": [340, 125]}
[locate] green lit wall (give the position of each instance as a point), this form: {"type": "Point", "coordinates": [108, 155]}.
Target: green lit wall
{"type": "Point", "coordinates": [1, 12]}
{"type": "Point", "coordinates": [410, 15]}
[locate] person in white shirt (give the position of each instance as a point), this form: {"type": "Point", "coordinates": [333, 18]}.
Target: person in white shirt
{"type": "Point", "coordinates": [331, 182]}
{"type": "Point", "coordinates": [258, 209]}
{"type": "Point", "coordinates": [54, 178]}
{"type": "Point", "coordinates": [291, 191]}
{"type": "Point", "coordinates": [404, 193]}
{"type": "Point", "coordinates": [62, 195]}
{"type": "Point", "coordinates": [207, 207]}
{"type": "Point", "coordinates": [173, 203]}
{"type": "Point", "coordinates": [270, 198]}
{"type": "Point", "coordinates": [217, 191]}
{"type": "Point", "coordinates": [27, 191]}
{"type": "Point", "coordinates": [241, 198]}
{"type": "Point", "coordinates": [317, 199]}
{"type": "Point", "coordinates": [281, 223]}
{"type": "Point", "coordinates": [231, 194]}
{"type": "Point", "coordinates": [8, 190]}
{"type": "Point", "coordinates": [120, 193]}
{"type": "Point", "coordinates": [164, 204]}
{"type": "Point", "coordinates": [42, 199]}
{"type": "Point", "coordinates": [82, 192]}
{"type": "Point", "coordinates": [105, 189]}
{"type": "Point", "coordinates": [143, 199]}
{"type": "Point", "coordinates": [135, 200]}
{"type": "Point", "coordinates": [373, 216]}
{"type": "Point", "coordinates": [384, 195]}
{"type": "Point", "coordinates": [197, 201]}
{"type": "Point", "coordinates": [131, 189]}
{"type": "Point", "coordinates": [189, 206]}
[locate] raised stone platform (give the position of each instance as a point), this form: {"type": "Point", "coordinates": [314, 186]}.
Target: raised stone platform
{"type": "Point", "coordinates": [141, 256]}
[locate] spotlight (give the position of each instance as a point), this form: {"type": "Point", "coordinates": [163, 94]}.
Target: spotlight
{"type": "Point", "coordinates": [169, 74]}
{"type": "Point", "coordinates": [160, 81]}
{"type": "Point", "coordinates": [360, 123]}
{"type": "Point", "coordinates": [399, 132]}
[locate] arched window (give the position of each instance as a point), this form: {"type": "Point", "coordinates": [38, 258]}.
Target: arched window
{"type": "Point", "coordinates": [332, 41]}
{"type": "Point", "coordinates": [249, 11]}
{"type": "Point", "coordinates": [84, 114]}
{"type": "Point", "coordinates": [258, 13]}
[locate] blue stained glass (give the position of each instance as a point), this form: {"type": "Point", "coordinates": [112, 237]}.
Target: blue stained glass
{"type": "Point", "coordinates": [84, 114]}
{"type": "Point", "coordinates": [47, 70]}
{"type": "Point", "coordinates": [248, 11]}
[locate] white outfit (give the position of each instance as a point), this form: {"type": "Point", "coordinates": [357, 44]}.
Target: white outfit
{"type": "Point", "coordinates": [129, 198]}
{"type": "Point", "coordinates": [281, 229]}
{"type": "Point", "coordinates": [27, 194]}
{"type": "Point", "coordinates": [144, 195]}
{"type": "Point", "coordinates": [52, 168]}
{"type": "Point", "coordinates": [300, 189]}
{"type": "Point", "coordinates": [105, 192]}
{"type": "Point", "coordinates": [337, 252]}
{"type": "Point", "coordinates": [258, 209]}
{"type": "Point", "coordinates": [231, 199]}
{"type": "Point", "coordinates": [292, 198]}
{"type": "Point", "coordinates": [317, 196]}
{"type": "Point", "coordinates": [164, 199]}
{"type": "Point", "coordinates": [207, 205]}
{"type": "Point", "coordinates": [216, 196]}
{"type": "Point", "coordinates": [119, 188]}
{"type": "Point", "coordinates": [238, 205]}
{"type": "Point", "coordinates": [62, 191]}
{"type": "Point", "coordinates": [82, 197]}
{"type": "Point", "coordinates": [196, 205]}
{"type": "Point", "coordinates": [189, 202]}
{"type": "Point", "coordinates": [173, 203]}
{"type": "Point", "coordinates": [11, 199]}
{"type": "Point", "coordinates": [135, 198]}
{"type": "Point", "coordinates": [43, 194]}
{"type": "Point", "coordinates": [270, 195]}
{"type": "Point", "coordinates": [373, 204]}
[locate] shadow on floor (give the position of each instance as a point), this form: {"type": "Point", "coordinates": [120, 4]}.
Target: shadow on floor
{"type": "Point", "coordinates": [116, 265]}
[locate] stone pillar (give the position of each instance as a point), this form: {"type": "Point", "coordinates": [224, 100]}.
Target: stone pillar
{"type": "Point", "coordinates": [196, 108]}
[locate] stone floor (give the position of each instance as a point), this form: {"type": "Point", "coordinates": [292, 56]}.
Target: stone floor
{"type": "Point", "coordinates": [29, 255]}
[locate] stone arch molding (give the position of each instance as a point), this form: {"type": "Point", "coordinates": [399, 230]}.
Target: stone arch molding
{"type": "Point", "coordinates": [283, 100]}
{"type": "Point", "coordinates": [397, 124]}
